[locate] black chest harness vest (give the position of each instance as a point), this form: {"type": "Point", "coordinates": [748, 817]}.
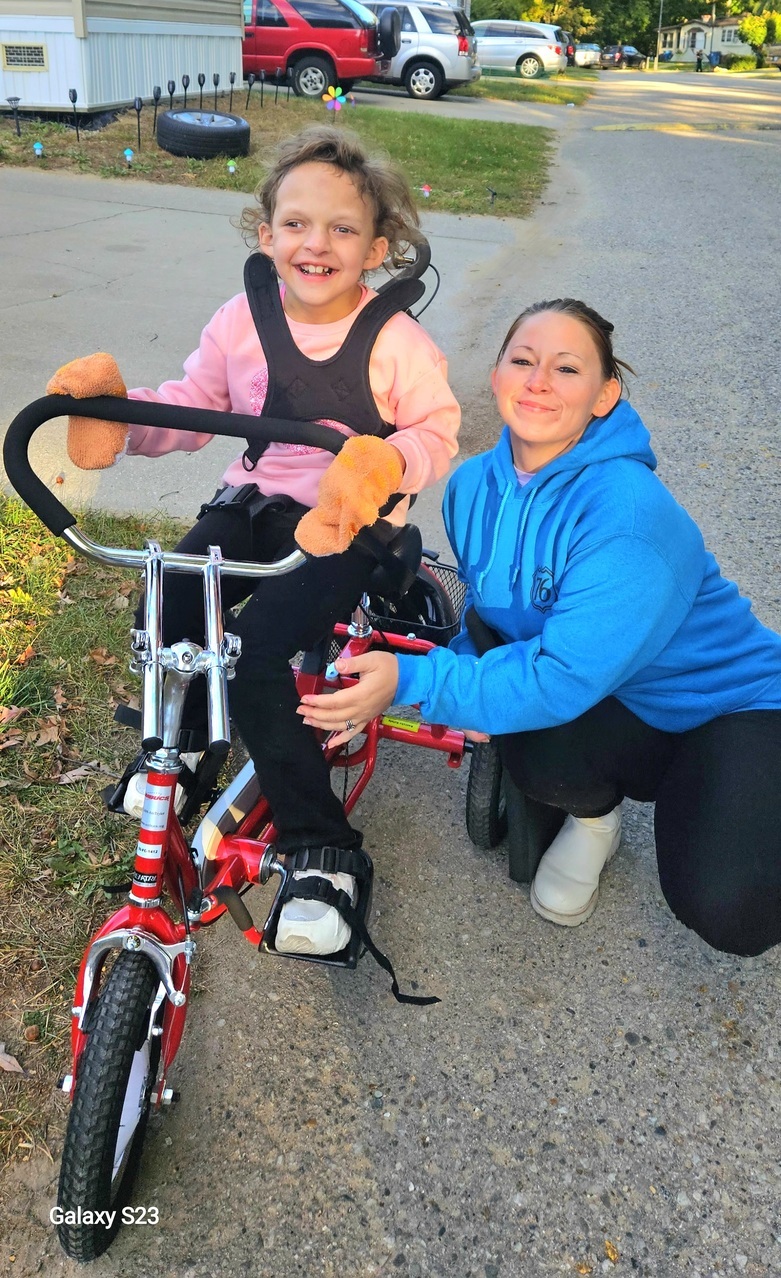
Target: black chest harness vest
{"type": "Point", "coordinates": [303, 389]}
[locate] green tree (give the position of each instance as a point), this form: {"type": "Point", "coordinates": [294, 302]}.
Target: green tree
{"type": "Point", "coordinates": [482, 9]}
{"type": "Point", "coordinates": [753, 30]}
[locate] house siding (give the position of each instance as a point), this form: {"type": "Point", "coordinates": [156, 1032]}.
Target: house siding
{"type": "Point", "coordinates": [213, 12]}
{"type": "Point", "coordinates": [36, 8]}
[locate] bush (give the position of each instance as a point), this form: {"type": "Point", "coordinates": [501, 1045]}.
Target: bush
{"type": "Point", "coordinates": [739, 62]}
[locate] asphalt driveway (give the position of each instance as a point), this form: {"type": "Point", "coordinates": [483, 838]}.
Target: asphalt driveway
{"type": "Point", "coordinates": [613, 1084]}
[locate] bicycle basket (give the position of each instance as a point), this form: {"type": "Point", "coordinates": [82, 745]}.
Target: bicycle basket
{"type": "Point", "coordinates": [431, 608]}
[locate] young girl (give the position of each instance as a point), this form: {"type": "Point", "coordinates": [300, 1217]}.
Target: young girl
{"type": "Point", "coordinates": [602, 646]}
{"type": "Point", "coordinates": [326, 214]}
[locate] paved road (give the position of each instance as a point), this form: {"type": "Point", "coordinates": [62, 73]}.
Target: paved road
{"type": "Point", "coordinates": [617, 1082]}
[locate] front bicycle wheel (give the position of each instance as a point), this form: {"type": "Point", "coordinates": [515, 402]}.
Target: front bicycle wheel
{"type": "Point", "coordinates": [110, 1108]}
{"type": "Point", "coordinates": [486, 809]}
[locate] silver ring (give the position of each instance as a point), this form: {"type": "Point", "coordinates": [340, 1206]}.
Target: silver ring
{"type": "Point", "coordinates": [350, 726]}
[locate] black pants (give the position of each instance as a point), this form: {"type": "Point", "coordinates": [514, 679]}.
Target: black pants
{"type": "Point", "coordinates": [282, 615]}
{"type": "Point", "coordinates": [716, 789]}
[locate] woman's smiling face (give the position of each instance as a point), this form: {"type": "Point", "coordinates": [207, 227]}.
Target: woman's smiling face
{"type": "Point", "coordinates": [549, 384]}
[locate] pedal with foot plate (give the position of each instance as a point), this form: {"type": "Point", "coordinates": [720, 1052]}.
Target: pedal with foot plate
{"type": "Point", "coordinates": [330, 861]}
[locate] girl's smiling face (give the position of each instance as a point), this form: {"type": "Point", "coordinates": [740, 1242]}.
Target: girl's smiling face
{"type": "Point", "coordinates": [321, 240]}
{"type": "Point", "coordinates": [549, 384]}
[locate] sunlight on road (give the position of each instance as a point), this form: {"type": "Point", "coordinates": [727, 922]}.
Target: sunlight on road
{"type": "Point", "coordinates": [700, 101]}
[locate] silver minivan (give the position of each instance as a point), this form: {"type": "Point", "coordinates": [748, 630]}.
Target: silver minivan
{"type": "Point", "coordinates": [438, 49]}
{"type": "Point", "coordinates": [530, 48]}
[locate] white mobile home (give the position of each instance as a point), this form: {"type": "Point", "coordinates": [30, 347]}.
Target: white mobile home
{"type": "Point", "coordinates": [111, 51]}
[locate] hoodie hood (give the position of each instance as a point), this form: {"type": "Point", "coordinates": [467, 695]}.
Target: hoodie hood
{"type": "Point", "coordinates": [621, 434]}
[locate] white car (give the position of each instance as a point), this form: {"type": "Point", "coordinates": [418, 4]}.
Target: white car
{"type": "Point", "coordinates": [438, 49]}
{"type": "Point", "coordinates": [587, 55]}
{"type": "Point", "coordinates": [530, 48]}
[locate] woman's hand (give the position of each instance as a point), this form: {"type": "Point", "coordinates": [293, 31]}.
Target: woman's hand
{"type": "Point", "coordinates": [333, 711]}
{"type": "Point", "coordinates": [477, 737]}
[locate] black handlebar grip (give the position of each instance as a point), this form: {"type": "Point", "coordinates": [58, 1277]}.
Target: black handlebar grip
{"type": "Point", "coordinates": [138, 412]}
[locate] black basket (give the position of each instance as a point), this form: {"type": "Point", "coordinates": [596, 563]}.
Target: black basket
{"type": "Point", "coordinates": [430, 610]}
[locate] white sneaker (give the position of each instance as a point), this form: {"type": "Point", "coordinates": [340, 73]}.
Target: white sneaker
{"type": "Point", "coordinates": [314, 927]}
{"type": "Point", "coordinates": [133, 802]}
{"type": "Point", "coordinates": [566, 885]}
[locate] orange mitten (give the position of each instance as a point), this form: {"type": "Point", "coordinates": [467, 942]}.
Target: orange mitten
{"type": "Point", "coordinates": [357, 483]}
{"type": "Point", "coordinates": [92, 444]}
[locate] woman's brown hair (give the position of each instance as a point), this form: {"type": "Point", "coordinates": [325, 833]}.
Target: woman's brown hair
{"type": "Point", "coordinates": [600, 329]}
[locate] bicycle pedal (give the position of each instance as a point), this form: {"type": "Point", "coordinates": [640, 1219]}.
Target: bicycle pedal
{"type": "Point", "coordinates": [360, 865]}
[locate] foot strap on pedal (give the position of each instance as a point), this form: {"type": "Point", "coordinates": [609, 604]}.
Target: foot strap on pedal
{"type": "Point", "coordinates": [313, 888]}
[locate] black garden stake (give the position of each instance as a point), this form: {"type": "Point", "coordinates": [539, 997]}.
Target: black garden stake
{"type": "Point", "coordinates": [137, 107]}
{"type": "Point", "coordinates": [156, 92]}
{"type": "Point", "coordinates": [14, 105]}
{"type": "Point", "coordinates": [232, 78]}
{"type": "Point", "coordinates": [216, 83]}
{"type": "Point", "coordinates": [201, 83]}
{"type": "Point", "coordinates": [251, 78]}
{"type": "Point", "coordinates": [289, 78]}
{"type": "Point", "coordinates": [72, 94]}
{"type": "Point", "coordinates": [262, 82]}
{"type": "Point", "coordinates": [171, 92]}
{"type": "Point", "coordinates": [277, 75]}
{"type": "Point", "coordinates": [185, 86]}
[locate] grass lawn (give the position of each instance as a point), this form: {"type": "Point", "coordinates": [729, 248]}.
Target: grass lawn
{"type": "Point", "coordinates": [64, 648]}
{"type": "Point", "coordinates": [457, 159]}
{"type": "Point", "coordinates": [576, 88]}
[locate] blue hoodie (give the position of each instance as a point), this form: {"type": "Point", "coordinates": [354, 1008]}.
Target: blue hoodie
{"type": "Point", "coordinates": [600, 584]}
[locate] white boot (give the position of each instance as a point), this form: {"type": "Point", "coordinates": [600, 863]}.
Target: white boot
{"type": "Point", "coordinates": [566, 885]}
{"type": "Point", "coordinates": [314, 927]}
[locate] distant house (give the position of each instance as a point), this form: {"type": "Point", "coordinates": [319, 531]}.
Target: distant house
{"type": "Point", "coordinates": [111, 51]}
{"type": "Point", "coordinates": [685, 38]}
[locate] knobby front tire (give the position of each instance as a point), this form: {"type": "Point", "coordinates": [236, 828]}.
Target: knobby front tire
{"type": "Point", "coordinates": [110, 1106]}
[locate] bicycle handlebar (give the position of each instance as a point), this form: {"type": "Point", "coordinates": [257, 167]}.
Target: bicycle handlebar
{"type": "Point", "coordinates": [137, 412]}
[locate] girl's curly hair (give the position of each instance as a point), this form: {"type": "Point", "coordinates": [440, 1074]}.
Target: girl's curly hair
{"type": "Point", "coordinates": [379, 182]}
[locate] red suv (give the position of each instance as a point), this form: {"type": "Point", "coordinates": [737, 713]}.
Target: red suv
{"type": "Point", "coordinates": [320, 42]}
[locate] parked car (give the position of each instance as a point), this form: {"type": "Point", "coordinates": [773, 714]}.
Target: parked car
{"type": "Point", "coordinates": [438, 50]}
{"type": "Point", "coordinates": [530, 48]}
{"type": "Point", "coordinates": [622, 55]}
{"type": "Point", "coordinates": [587, 55]}
{"type": "Point", "coordinates": [569, 48]}
{"type": "Point", "coordinates": [319, 42]}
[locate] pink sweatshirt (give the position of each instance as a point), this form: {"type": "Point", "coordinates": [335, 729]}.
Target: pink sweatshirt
{"type": "Point", "coordinates": [408, 377]}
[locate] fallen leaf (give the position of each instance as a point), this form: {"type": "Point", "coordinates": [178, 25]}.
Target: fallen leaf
{"type": "Point", "coordinates": [60, 699]}
{"type": "Point", "coordinates": [120, 602]}
{"type": "Point", "coordinates": [25, 656]}
{"type": "Point", "coordinates": [102, 657]}
{"type": "Point", "coordinates": [611, 1251]}
{"type": "Point", "coordinates": [78, 774]}
{"type": "Point", "coordinates": [12, 739]}
{"type": "Point", "coordinates": [48, 732]}
{"type": "Point", "coordinates": [584, 1269]}
{"type": "Point", "coordinates": [9, 713]}
{"type": "Point", "coordinates": [9, 1063]}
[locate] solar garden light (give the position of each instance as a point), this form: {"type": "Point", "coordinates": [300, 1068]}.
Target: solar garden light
{"type": "Point", "coordinates": [232, 78]}
{"type": "Point", "coordinates": [14, 105]}
{"type": "Point", "coordinates": [216, 83]}
{"type": "Point", "coordinates": [156, 92]}
{"type": "Point", "coordinates": [201, 83]}
{"type": "Point", "coordinates": [251, 78]}
{"type": "Point", "coordinates": [171, 91]}
{"type": "Point", "coordinates": [137, 107]}
{"type": "Point", "coordinates": [262, 82]}
{"type": "Point", "coordinates": [72, 94]}
{"type": "Point", "coordinates": [185, 86]}
{"type": "Point", "coordinates": [277, 76]}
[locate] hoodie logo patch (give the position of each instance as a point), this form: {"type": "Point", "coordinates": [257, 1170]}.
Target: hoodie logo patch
{"type": "Point", "coordinates": [544, 592]}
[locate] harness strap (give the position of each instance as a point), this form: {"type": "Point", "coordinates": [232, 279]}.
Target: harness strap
{"type": "Point", "coordinates": [317, 889]}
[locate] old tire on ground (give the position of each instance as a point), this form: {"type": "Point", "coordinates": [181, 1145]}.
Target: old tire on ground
{"type": "Point", "coordinates": [312, 76]}
{"type": "Point", "coordinates": [389, 33]}
{"type": "Point", "coordinates": [110, 1108]}
{"type": "Point", "coordinates": [486, 810]}
{"type": "Point", "coordinates": [424, 81]}
{"type": "Point", "coordinates": [529, 66]}
{"type": "Point", "coordinates": [202, 134]}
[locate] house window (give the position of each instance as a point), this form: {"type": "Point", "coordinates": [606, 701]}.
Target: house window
{"type": "Point", "coordinates": [24, 57]}
{"type": "Point", "coordinates": [693, 37]}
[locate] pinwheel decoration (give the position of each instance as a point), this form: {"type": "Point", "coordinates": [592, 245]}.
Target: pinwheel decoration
{"type": "Point", "coordinates": [334, 99]}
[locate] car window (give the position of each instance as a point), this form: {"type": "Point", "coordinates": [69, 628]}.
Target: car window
{"type": "Point", "coordinates": [268, 15]}
{"type": "Point", "coordinates": [443, 21]}
{"type": "Point", "coordinates": [362, 13]}
{"type": "Point", "coordinates": [530, 33]}
{"type": "Point", "coordinates": [324, 13]}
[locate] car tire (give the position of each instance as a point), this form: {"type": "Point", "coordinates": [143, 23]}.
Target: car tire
{"type": "Point", "coordinates": [622, 64]}
{"type": "Point", "coordinates": [529, 67]}
{"type": "Point", "coordinates": [424, 81]}
{"type": "Point", "coordinates": [389, 33]}
{"type": "Point", "coordinates": [200, 135]}
{"type": "Point", "coordinates": [346, 86]}
{"type": "Point", "coordinates": [312, 76]}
